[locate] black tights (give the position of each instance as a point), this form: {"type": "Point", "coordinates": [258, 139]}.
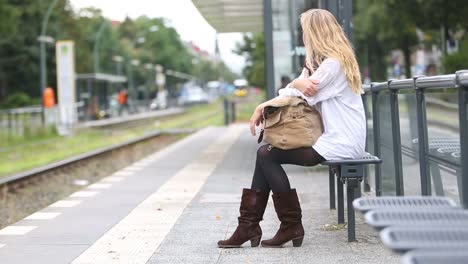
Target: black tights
{"type": "Point", "coordinates": [269, 175]}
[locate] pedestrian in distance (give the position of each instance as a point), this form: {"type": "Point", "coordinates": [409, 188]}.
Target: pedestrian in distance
{"type": "Point", "coordinates": [333, 87]}
{"type": "Point", "coordinates": [122, 99]}
{"type": "Point", "coordinates": [285, 80]}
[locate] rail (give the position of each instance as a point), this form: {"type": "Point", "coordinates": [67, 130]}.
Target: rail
{"type": "Point", "coordinates": [18, 178]}
{"type": "Point", "coordinates": [382, 103]}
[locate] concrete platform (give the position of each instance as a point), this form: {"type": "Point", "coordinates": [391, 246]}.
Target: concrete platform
{"type": "Point", "coordinates": [174, 205]}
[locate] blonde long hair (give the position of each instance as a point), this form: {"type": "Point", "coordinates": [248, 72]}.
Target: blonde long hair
{"type": "Point", "coordinates": [324, 38]}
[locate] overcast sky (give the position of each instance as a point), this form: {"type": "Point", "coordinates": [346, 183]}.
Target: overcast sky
{"type": "Point", "coordinates": [185, 19]}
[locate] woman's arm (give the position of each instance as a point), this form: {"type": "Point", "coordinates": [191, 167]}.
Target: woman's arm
{"type": "Point", "coordinates": [322, 79]}
{"type": "Point", "coordinates": [306, 86]}
{"type": "Point", "coordinates": [326, 73]}
{"type": "Point", "coordinates": [257, 116]}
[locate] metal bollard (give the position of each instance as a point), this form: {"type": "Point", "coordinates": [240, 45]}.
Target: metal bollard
{"type": "Point", "coordinates": [226, 111]}
{"type": "Point", "coordinates": [10, 124]}
{"type": "Point", "coordinates": [233, 112]}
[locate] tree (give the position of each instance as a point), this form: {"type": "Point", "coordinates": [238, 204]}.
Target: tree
{"type": "Point", "coordinates": [19, 49]}
{"type": "Point", "coordinates": [378, 30]}
{"type": "Point", "coordinates": [253, 49]}
{"type": "Point", "coordinates": [383, 25]}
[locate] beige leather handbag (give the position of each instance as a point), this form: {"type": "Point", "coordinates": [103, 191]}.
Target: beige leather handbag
{"type": "Point", "coordinates": [290, 123]}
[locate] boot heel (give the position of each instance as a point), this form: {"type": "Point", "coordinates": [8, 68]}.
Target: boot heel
{"type": "Point", "coordinates": [297, 242]}
{"type": "Point", "coordinates": [254, 242]}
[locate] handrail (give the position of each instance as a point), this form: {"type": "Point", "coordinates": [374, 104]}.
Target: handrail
{"type": "Point", "coordinates": [463, 77]}
{"type": "Point", "coordinates": [423, 82]}
{"type": "Point", "coordinates": [376, 87]}
{"type": "Point", "coordinates": [401, 84]}
{"type": "Point", "coordinates": [366, 88]}
{"type": "Point", "coordinates": [385, 96]}
{"type": "Point", "coordinates": [439, 81]}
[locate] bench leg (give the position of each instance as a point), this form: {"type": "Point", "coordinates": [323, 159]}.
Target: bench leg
{"type": "Point", "coordinates": [340, 198]}
{"type": "Point", "coordinates": [459, 183]}
{"type": "Point", "coordinates": [331, 183]}
{"type": "Point", "coordinates": [357, 191]}
{"type": "Point", "coordinates": [351, 188]}
{"type": "Point", "coordinates": [437, 180]}
{"type": "Point", "coordinates": [367, 187]}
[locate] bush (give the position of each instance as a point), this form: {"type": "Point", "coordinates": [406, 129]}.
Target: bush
{"type": "Point", "coordinates": [457, 61]}
{"type": "Point", "coordinates": [15, 100]}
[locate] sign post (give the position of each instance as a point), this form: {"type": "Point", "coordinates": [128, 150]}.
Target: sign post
{"type": "Point", "coordinates": [66, 87]}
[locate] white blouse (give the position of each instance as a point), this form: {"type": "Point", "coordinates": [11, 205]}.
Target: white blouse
{"type": "Point", "coordinates": [342, 111]}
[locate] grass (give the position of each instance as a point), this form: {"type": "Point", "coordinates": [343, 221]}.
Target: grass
{"type": "Point", "coordinates": [27, 153]}
{"type": "Point", "coordinates": [20, 154]}
{"type": "Point", "coordinates": [247, 105]}
{"type": "Point", "coordinates": [28, 156]}
{"type": "Point", "coordinates": [196, 117]}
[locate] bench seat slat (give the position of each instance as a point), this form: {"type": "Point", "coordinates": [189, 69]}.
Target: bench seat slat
{"type": "Point", "coordinates": [449, 256]}
{"type": "Point", "coordinates": [369, 159]}
{"type": "Point", "coordinates": [381, 218]}
{"type": "Point", "coordinates": [402, 239]}
{"type": "Point", "coordinates": [365, 204]}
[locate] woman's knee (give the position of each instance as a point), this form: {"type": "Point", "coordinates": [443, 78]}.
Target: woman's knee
{"type": "Point", "coordinates": [263, 152]}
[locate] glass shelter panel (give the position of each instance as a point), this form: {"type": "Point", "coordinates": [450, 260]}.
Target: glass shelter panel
{"type": "Point", "coordinates": [370, 171]}
{"type": "Point", "coordinates": [444, 141]}
{"type": "Point", "coordinates": [409, 143]}
{"type": "Point", "coordinates": [386, 145]}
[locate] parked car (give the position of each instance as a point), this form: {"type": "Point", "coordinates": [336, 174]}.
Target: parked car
{"type": "Point", "coordinates": [241, 87]}
{"type": "Point", "coordinates": [160, 101]}
{"type": "Point", "coordinates": [214, 89]}
{"type": "Point", "coordinates": [193, 95]}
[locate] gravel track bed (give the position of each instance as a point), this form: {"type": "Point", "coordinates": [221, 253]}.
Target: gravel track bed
{"type": "Point", "coordinates": [47, 188]}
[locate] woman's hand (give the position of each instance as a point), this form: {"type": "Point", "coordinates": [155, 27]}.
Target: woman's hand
{"type": "Point", "coordinates": [307, 86]}
{"type": "Point", "coordinates": [256, 119]}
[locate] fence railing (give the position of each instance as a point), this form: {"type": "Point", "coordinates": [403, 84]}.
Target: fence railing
{"type": "Point", "coordinates": [18, 121]}
{"type": "Point", "coordinates": [424, 146]}
{"type": "Point", "coordinates": [30, 121]}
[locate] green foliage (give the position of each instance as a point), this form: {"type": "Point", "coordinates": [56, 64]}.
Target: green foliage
{"type": "Point", "coordinates": [207, 71]}
{"type": "Point", "coordinates": [459, 60]}
{"type": "Point", "coordinates": [20, 25]}
{"type": "Point", "coordinates": [384, 25]}
{"type": "Point", "coordinates": [253, 49]}
{"type": "Point", "coordinates": [18, 99]}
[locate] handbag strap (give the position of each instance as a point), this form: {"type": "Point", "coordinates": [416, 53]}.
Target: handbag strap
{"type": "Point", "coordinates": [260, 137]}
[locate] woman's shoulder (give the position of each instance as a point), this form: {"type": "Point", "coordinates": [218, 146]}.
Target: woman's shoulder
{"type": "Point", "coordinates": [331, 62]}
{"type": "Point", "coordinates": [331, 65]}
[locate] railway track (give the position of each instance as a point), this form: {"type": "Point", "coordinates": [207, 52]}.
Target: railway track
{"type": "Point", "coordinates": [20, 179]}
{"type": "Point", "coordinates": [27, 192]}
{"type": "Point", "coordinates": [24, 193]}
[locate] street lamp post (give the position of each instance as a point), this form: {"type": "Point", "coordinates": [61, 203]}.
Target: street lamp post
{"type": "Point", "coordinates": [150, 68]}
{"type": "Point", "coordinates": [96, 46]}
{"type": "Point", "coordinates": [133, 90]}
{"type": "Point", "coordinates": [43, 39]}
{"type": "Point", "coordinates": [118, 60]}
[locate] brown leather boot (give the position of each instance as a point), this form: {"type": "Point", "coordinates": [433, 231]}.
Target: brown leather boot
{"type": "Point", "coordinates": [252, 207]}
{"type": "Point", "coordinates": [289, 212]}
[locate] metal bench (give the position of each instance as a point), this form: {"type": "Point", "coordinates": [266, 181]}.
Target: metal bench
{"type": "Point", "coordinates": [423, 225]}
{"type": "Point", "coordinates": [402, 239]}
{"type": "Point", "coordinates": [449, 150]}
{"type": "Point", "coordinates": [456, 154]}
{"type": "Point", "coordinates": [381, 218]}
{"type": "Point", "coordinates": [448, 256]}
{"type": "Point", "coordinates": [351, 173]}
{"type": "Point", "coordinates": [403, 202]}
{"type": "Point", "coordinates": [442, 140]}
{"type": "Point", "coordinates": [443, 147]}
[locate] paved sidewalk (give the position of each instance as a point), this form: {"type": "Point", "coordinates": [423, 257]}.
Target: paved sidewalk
{"type": "Point", "coordinates": [173, 206]}
{"type": "Point", "coordinates": [212, 215]}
